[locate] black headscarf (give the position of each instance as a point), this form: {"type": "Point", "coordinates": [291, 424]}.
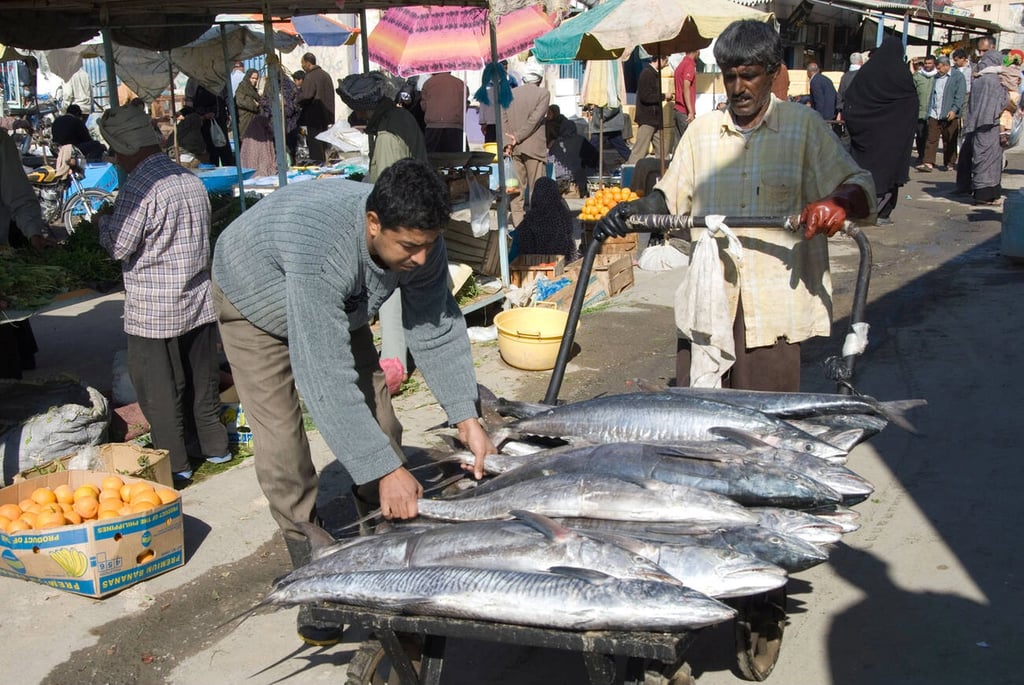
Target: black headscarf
{"type": "Point", "coordinates": [880, 109]}
{"type": "Point", "coordinates": [547, 227]}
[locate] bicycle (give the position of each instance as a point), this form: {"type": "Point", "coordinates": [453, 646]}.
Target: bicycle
{"type": "Point", "coordinates": [62, 197]}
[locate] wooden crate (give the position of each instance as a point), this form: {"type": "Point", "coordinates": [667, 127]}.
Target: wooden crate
{"type": "Point", "coordinates": [629, 243]}
{"type": "Point", "coordinates": [464, 247]}
{"type": "Point", "coordinates": [527, 267]}
{"type": "Point", "coordinates": [614, 272]}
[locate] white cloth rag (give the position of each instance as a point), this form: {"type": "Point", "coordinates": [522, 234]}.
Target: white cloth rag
{"type": "Point", "coordinates": [702, 307]}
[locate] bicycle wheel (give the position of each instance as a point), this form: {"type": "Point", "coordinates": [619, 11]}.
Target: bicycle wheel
{"type": "Point", "coordinates": [82, 206]}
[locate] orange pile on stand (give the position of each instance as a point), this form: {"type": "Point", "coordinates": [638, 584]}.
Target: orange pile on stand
{"type": "Point", "coordinates": [598, 204]}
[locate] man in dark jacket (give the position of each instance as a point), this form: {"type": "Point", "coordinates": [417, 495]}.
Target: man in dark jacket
{"type": "Point", "coordinates": [649, 115]}
{"type": "Point", "coordinates": [823, 93]}
{"type": "Point", "coordinates": [316, 96]}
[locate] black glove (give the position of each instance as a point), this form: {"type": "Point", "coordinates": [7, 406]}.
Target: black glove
{"type": "Point", "coordinates": [613, 224]}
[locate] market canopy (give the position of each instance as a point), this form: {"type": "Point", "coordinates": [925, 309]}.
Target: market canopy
{"type": "Point", "coordinates": [661, 26]}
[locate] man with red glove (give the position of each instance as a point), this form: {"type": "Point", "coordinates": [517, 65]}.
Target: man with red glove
{"type": "Point", "coordinates": [762, 157]}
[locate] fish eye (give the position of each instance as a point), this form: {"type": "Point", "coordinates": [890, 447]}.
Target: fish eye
{"type": "Point", "coordinates": [809, 448]}
{"type": "Point", "coordinates": [775, 540]}
{"type": "Point", "coordinates": [791, 476]}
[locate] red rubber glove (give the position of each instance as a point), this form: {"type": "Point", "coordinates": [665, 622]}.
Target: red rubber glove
{"type": "Point", "coordinates": [827, 216]}
{"type": "Point", "coordinates": [824, 217]}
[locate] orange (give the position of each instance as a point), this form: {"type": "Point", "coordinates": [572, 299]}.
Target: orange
{"type": "Point", "coordinates": [52, 508]}
{"type": "Point", "coordinates": [4, 523]}
{"type": "Point", "coordinates": [10, 511]}
{"type": "Point", "coordinates": [72, 517]}
{"type": "Point", "coordinates": [107, 514]}
{"type": "Point", "coordinates": [141, 506]}
{"type": "Point", "coordinates": [18, 525]}
{"type": "Point", "coordinates": [32, 506]}
{"type": "Point", "coordinates": [110, 494]}
{"type": "Point", "coordinates": [126, 493]}
{"type": "Point", "coordinates": [112, 483]}
{"type": "Point", "coordinates": [29, 518]}
{"type": "Point", "coordinates": [145, 557]}
{"type": "Point", "coordinates": [139, 486]}
{"type": "Point", "coordinates": [109, 505]}
{"type": "Point", "coordinates": [43, 496]}
{"type": "Point", "coordinates": [26, 503]}
{"type": "Point", "coordinates": [64, 494]}
{"type": "Point", "coordinates": [85, 491]}
{"type": "Point", "coordinates": [50, 519]}
{"type": "Point", "coordinates": [87, 507]}
{"type": "Point", "coordinates": [166, 495]}
{"type": "Point", "coordinates": [147, 496]}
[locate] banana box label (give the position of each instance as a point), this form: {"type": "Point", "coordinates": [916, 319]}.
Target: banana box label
{"type": "Point", "coordinates": [94, 558]}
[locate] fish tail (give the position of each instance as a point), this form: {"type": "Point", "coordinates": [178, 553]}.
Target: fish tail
{"type": "Point", "coordinates": [239, 619]}
{"type": "Point", "coordinates": [896, 412]}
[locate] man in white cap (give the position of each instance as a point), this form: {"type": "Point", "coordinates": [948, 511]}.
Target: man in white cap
{"type": "Point", "coordinates": [525, 141]}
{"type": "Point", "coordinates": [160, 230]}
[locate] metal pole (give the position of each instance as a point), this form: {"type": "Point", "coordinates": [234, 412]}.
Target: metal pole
{"type": "Point", "coordinates": [274, 83]}
{"type": "Point", "coordinates": [364, 47]}
{"type": "Point", "coordinates": [108, 57]}
{"type": "Point", "coordinates": [906, 28]}
{"type": "Point", "coordinates": [174, 112]}
{"type": "Point", "coordinates": [880, 32]}
{"type": "Point", "coordinates": [499, 136]}
{"type": "Point", "coordinates": [233, 111]}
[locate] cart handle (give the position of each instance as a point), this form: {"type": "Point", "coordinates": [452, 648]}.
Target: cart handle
{"type": "Point", "coordinates": [668, 222]}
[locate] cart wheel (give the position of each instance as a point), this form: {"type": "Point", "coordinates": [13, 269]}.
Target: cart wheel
{"type": "Point", "coordinates": [682, 676]}
{"type": "Point", "coordinates": [370, 664]}
{"type": "Point", "coordinates": [759, 625]}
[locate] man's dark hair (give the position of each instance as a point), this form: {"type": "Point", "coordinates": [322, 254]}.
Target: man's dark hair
{"type": "Point", "coordinates": [309, 57]}
{"type": "Point", "coordinates": [73, 110]}
{"type": "Point", "coordinates": [299, 75]}
{"type": "Point", "coordinates": [928, 57]}
{"type": "Point", "coordinates": [410, 194]}
{"type": "Point", "coordinates": [959, 53]}
{"type": "Point", "coordinates": [749, 42]}
{"type": "Point", "coordinates": [987, 40]}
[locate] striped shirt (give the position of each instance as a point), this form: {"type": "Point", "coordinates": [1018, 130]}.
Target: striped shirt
{"type": "Point", "coordinates": [788, 160]}
{"type": "Point", "coordinates": [160, 231]}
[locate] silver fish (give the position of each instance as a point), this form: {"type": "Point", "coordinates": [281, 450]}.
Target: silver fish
{"type": "Point", "coordinates": [531, 543]}
{"type": "Point", "coordinates": [786, 551]}
{"type": "Point", "coordinates": [813, 529]}
{"type": "Point", "coordinates": [800, 405]}
{"type": "Point", "coordinates": [716, 571]}
{"type": "Point", "coordinates": [571, 599]}
{"type": "Point", "coordinates": [593, 495]}
{"type": "Point", "coordinates": [844, 517]}
{"type": "Point", "coordinates": [749, 482]}
{"type": "Point", "coordinates": [845, 431]}
{"type": "Point", "coordinates": [662, 417]}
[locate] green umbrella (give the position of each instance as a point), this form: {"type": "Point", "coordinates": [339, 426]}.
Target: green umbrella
{"type": "Point", "coordinates": [663, 27]}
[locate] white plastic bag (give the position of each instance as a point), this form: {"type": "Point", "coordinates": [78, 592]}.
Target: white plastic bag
{"type": "Point", "coordinates": [480, 199]}
{"type": "Point", "coordinates": [702, 307]}
{"type": "Point", "coordinates": [661, 258]}
{"type": "Point", "coordinates": [217, 135]}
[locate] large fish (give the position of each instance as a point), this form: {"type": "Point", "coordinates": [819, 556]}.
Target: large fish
{"type": "Point", "coordinates": [746, 481]}
{"type": "Point", "coordinates": [844, 431]}
{"type": "Point", "coordinates": [531, 543]}
{"type": "Point", "coordinates": [786, 551]}
{"type": "Point", "coordinates": [571, 599]}
{"type": "Point", "coordinates": [593, 495]}
{"type": "Point", "coordinates": [661, 417]}
{"type": "Point", "coordinates": [813, 529]}
{"type": "Point", "coordinates": [799, 405]}
{"type": "Point", "coordinates": [716, 571]}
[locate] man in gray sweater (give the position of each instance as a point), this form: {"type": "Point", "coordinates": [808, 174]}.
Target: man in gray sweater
{"type": "Point", "coordinates": [297, 279]}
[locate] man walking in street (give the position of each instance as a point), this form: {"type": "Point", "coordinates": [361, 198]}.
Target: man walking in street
{"type": "Point", "coordinates": [944, 111]}
{"type": "Point", "coordinates": [160, 231]}
{"type": "Point", "coordinates": [685, 79]}
{"type": "Point", "coordinates": [856, 59]}
{"type": "Point", "coordinates": [523, 124]}
{"type": "Point", "coordinates": [297, 280]}
{"type": "Point", "coordinates": [649, 113]}
{"type": "Point", "coordinates": [316, 97]}
{"type": "Point", "coordinates": [923, 79]}
{"type": "Point", "coordinates": [823, 92]}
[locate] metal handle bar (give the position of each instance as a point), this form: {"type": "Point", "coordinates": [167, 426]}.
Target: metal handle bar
{"type": "Point", "coordinates": [668, 222]}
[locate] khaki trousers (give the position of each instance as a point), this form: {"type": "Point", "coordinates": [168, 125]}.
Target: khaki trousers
{"type": "Point", "coordinates": [266, 389]}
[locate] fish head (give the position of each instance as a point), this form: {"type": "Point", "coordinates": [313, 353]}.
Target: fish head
{"type": "Point", "coordinates": [629, 557]}
{"type": "Point", "coordinates": [744, 574]}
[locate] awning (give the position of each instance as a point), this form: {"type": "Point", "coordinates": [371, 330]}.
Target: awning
{"type": "Point", "coordinates": [919, 15]}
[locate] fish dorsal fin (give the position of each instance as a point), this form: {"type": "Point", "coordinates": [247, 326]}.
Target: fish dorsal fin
{"type": "Point", "coordinates": [550, 528]}
{"type": "Point", "coordinates": [587, 574]}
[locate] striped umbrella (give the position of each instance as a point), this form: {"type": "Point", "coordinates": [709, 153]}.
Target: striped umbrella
{"type": "Point", "coordinates": [423, 40]}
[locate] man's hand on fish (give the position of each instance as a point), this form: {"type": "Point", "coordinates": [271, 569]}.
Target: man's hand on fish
{"type": "Point", "coordinates": [399, 492]}
{"type": "Point", "coordinates": [474, 437]}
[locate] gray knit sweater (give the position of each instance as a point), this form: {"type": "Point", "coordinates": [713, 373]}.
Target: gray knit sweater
{"type": "Point", "coordinates": [296, 265]}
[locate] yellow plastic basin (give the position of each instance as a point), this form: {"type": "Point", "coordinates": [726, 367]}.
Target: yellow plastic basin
{"type": "Point", "coordinates": [529, 337]}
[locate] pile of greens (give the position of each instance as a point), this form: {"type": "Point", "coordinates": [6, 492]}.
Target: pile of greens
{"type": "Point", "coordinates": [29, 286]}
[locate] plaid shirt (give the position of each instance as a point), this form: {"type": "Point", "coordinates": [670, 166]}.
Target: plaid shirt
{"type": "Point", "coordinates": [789, 159]}
{"type": "Point", "coordinates": [160, 231]}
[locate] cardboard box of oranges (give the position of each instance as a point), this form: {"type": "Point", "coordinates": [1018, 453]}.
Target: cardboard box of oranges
{"type": "Point", "coordinates": [89, 532]}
